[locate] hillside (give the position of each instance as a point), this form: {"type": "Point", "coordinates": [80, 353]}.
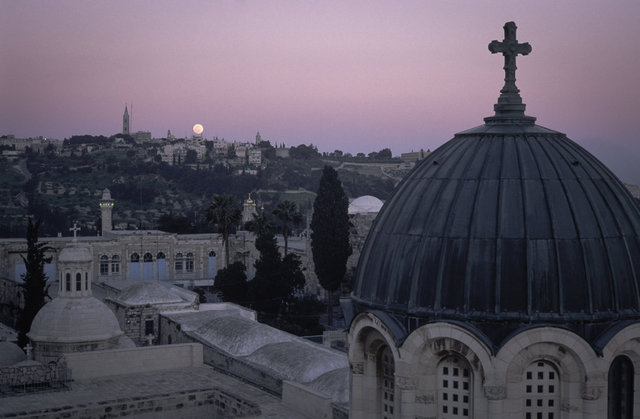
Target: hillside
{"type": "Point", "coordinates": [66, 186]}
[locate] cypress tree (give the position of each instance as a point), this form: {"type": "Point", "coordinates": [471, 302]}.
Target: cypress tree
{"type": "Point", "coordinates": [330, 235]}
{"type": "Point", "coordinates": [35, 287]}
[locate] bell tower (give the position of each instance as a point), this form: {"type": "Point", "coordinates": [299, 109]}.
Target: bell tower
{"type": "Point", "coordinates": [125, 121]}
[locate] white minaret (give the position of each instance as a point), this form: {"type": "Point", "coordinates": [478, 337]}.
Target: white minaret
{"type": "Point", "coordinates": [106, 207]}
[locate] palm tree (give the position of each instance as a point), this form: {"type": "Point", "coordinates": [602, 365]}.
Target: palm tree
{"type": "Point", "coordinates": [287, 217]}
{"type": "Point", "coordinates": [226, 214]}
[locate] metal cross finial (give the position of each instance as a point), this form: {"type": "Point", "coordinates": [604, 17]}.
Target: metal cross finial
{"type": "Point", "coordinates": [510, 108]}
{"type": "Point", "coordinates": [75, 229]}
{"type": "Point", "coordinates": [28, 350]}
{"type": "Point", "coordinates": [510, 48]}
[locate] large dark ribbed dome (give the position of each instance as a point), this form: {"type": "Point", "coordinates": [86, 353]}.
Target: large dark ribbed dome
{"type": "Point", "coordinates": [506, 225]}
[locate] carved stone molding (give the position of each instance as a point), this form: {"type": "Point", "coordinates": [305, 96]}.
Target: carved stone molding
{"type": "Point", "coordinates": [495, 392]}
{"type": "Point", "coordinates": [591, 393]}
{"type": "Point", "coordinates": [406, 383]}
{"type": "Point", "coordinates": [426, 398]}
{"type": "Point", "coordinates": [357, 368]}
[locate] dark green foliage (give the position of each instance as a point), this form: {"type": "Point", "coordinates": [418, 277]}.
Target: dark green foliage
{"type": "Point", "coordinates": [225, 213]}
{"type": "Point", "coordinates": [35, 287]}
{"type": "Point", "coordinates": [305, 152]}
{"type": "Point", "coordinates": [176, 224]}
{"type": "Point", "coordinates": [330, 231]}
{"type": "Point", "coordinates": [330, 234]}
{"type": "Point", "coordinates": [278, 280]}
{"type": "Point", "coordinates": [287, 217]}
{"type": "Point", "coordinates": [232, 283]}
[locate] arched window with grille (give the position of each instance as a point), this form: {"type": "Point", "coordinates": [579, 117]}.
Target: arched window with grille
{"type": "Point", "coordinates": [148, 257]}
{"type": "Point", "coordinates": [179, 262]}
{"type": "Point", "coordinates": [212, 267]}
{"type": "Point", "coordinates": [78, 281]}
{"type": "Point", "coordinates": [115, 264]}
{"type": "Point", "coordinates": [189, 262]}
{"type": "Point", "coordinates": [104, 265]}
{"type": "Point", "coordinates": [620, 393]}
{"type": "Point", "coordinates": [135, 258]}
{"type": "Point", "coordinates": [67, 285]}
{"type": "Point", "coordinates": [541, 391]}
{"type": "Point", "coordinates": [455, 388]}
{"type": "Point", "coordinates": [386, 382]}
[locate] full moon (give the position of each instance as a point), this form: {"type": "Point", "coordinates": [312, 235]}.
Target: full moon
{"type": "Point", "coordinates": [198, 128]}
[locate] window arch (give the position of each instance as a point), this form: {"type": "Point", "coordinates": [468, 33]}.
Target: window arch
{"type": "Point", "coordinates": [620, 394]}
{"type": "Point", "coordinates": [160, 255]}
{"type": "Point", "coordinates": [148, 257]}
{"type": "Point", "coordinates": [179, 261]}
{"type": "Point", "coordinates": [386, 386]}
{"type": "Point", "coordinates": [86, 281]}
{"type": "Point", "coordinates": [78, 281]}
{"type": "Point", "coordinates": [541, 391]}
{"type": "Point", "coordinates": [212, 254]}
{"type": "Point", "coordinates": [135, 257]}
{"type": "Point", "coordinates": [454, 388]}
{"type": "Point", "coordinates": [189, 262]}
{"type": "Point", "coordinates": [104, 265]}
{"type": "Point", "coordinates": [67, 285]}
{"type": "Point", "coordinates": [115, 264]}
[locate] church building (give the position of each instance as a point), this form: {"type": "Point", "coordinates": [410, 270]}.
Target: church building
{"type": "Point", "coordinates": [502, 280]}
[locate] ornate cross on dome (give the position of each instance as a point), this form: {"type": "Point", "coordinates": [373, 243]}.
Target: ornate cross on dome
{"type": "Point", "coordinates": [75, 229]}
{"type": "Point", "coordinates": [510, 48]}
{"type": "Point", "coordinates": [510, 108]}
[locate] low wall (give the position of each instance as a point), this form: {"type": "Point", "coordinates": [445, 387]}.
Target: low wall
{"type": "Point", "coordinates": [94, 364]}
{"type": "Point", "coordinates": [306, 401]}
{"type": "Point", "coordinates": [211, 403]}
{"type": "Point", "coordinates": [243, 369]}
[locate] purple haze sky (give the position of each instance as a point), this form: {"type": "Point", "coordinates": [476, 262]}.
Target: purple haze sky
{"type": "Point", "coordinates": [351, 75]}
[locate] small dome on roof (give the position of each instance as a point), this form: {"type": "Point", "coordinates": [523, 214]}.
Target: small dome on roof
{"type": "Point", "coordinates": [75, 253]}
{"type": "Point", "coordinates": [149, 292]}
{"type": "Point", "coordinates": [106, 194]}
{"type": "Point", "coordinates": [10, 354]}
{"type": "Point", "coordinates": [67, 320]}
{"type": "Point", "coordinates": [365, 204]}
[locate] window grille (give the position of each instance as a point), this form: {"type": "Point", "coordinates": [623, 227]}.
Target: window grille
{"type": "Point", "coordinates": [387, 377]}
{"type": "Point", "coordinates": [104, 265]}
{"type": "Point", "coordinates": [541, 391]}
{"type": "Point", "coordinates": [620, 394]}
{"type": "Point", "coordinates": [454, 379]}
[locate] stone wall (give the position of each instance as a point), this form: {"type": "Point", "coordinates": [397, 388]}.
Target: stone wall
{"type": "Point", "coordinates": [94, 364]}
{"type": "Point", "coordinates": [211, 403]}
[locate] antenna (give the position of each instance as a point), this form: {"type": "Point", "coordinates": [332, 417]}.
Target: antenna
{"type": "Point", "coordinates": [131, 119]}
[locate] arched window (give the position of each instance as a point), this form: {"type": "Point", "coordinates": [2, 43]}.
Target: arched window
{"type": "Point", "coordinates": [86, 281]}
{"type": "Point", "coordinates": [78, 281]}
{"type": "Point", "coordinates": [67, 285]}
{"type": "Point", "coordinates": [135, 257]}
{"type": "Point", "coordinates": [147, 257]}
{"type": "Point", "coordinates": [621, 375]}
{"type": "Point", "coordinates": [386, 386]}
{"type": "Point", "coordinates": [160, 256]}
{"type": "Point", "coordinates": [541, 391]}
{"type": "Point", "coordinates": [212, 254]}
{"type": "Point", "coordinates": [104, 265]}
{"type": "Point", "coordinates": [179, 261]}
{"type": "Point", "coordinates": [189, 262]}
{"type": "Point", "coordinates": [454, 383]}
{"type": "Point", "coordinates": [115, 264]}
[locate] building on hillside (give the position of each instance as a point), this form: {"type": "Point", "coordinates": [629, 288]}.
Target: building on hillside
{"type": "Point", "coordinates": [501, 280]}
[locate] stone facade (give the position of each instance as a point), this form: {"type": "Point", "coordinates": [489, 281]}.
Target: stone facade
{"type": "Point", "coordinates": [496, 384]}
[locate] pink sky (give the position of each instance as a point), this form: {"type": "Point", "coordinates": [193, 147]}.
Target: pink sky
{"type": "Point", "coordinates": [352, 75]}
